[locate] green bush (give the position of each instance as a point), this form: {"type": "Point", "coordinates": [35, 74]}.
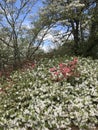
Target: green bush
{"type": "Point", "coordinates": [31, 100]}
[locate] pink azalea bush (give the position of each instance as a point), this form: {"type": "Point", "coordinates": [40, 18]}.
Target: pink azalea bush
{"type": "Point", "coordinates": [64, 70]}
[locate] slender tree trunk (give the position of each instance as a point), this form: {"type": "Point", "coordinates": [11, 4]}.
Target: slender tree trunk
{"type": "Point", "coordinates": [0, 62]}
{"type": "Point", "coordinates": [75, 30]}
{"type": "Point", "coordinates": [81, 33]}
{"type": "Point", "coordinates": [16, 52]}
{"type": "Point", "coordinates": [16, 62]}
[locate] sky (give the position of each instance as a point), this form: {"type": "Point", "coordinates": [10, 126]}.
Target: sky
{"type": "Point", "coordinates": [47, 44]}
{"type": "Point", "coordinates": [35, 9]}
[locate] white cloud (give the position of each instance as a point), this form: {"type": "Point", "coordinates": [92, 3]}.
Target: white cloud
{"type": "Point", "coordinates": [49, 36]}
{"type": "Point", "coordinates": [47, 46]}
{"type": "Point", "coordinates": [51, 41]}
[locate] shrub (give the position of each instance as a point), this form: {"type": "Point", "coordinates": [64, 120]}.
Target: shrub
{"type": "Point", "coordinates": [31, 100]}
{"type": "Point", "coordinates": [64, 70]}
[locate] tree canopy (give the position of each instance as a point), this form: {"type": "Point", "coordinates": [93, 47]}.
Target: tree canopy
{"type": "Point", "coordinates": [78, 17]}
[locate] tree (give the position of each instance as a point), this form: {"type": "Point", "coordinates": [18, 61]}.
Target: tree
{"type": "Point", "coordinates": [39, 31]}
{"type": "Point", "coordinates": [67, 13]}
{"type": "Point", "coordinates": [75, 16]}
{"type": "Point", "coordinates": [14, 14]}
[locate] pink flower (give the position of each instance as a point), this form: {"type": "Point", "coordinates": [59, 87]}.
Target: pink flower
{"type": "Point", "coordinates": [65, 70]}
{"type": "Point", "coordinates": [74, 62]}
{"type": "Point", "coordinates": [61, 65]}
{"type": "Point", "coordinates": [56, 73]}
{"type": "Point", "coordinates": [53, 69]}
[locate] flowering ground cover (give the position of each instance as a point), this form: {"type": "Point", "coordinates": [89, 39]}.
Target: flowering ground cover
{"type": "Point", "coordinates": [33, 100]}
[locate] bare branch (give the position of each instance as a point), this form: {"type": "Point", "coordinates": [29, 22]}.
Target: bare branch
{"type": "Point", "coordinates": [6, 16]}
{"type": "Point", "coordinates": [48, 28]}
{"type": "Point", "coordinates": [6, 42]}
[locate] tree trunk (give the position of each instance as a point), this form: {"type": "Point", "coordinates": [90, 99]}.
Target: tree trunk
{"type": "Point", "coordinates": [81, 33]}
{"type": "Point", "coordinates": [75, 30]}
{"type": "Point", "coordinates": [16, 52]}
{"type": "Point", "coordinates": [16, 62]}
{"type": "Point", "coordinates": [0, 62]}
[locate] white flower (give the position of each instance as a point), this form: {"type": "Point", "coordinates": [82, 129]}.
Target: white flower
{"type": "Point", "coordinates": [26, 111]}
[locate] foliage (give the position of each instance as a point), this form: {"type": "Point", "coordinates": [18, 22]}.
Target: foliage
{"type": "Point", "coordinates": [78, 19]}
{"type": "Point", "coordinates": [16, 31]}
{"type": "Point", "coordinates": [30, 100]}
{"type": "Point", "coordinates": [63, 70]}
{"type": "Point", "coordinates": [66, 48]}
